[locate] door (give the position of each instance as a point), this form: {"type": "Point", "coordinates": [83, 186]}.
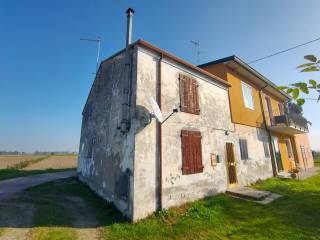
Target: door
{"type": "Point", "coordinates": [269, 106]}
{"type": "Point", "coordinates": [277, 157]}
{"type": "Point", "coordinates": [231, 164]}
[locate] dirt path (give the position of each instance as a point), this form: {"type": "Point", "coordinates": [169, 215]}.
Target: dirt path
{"type": "Point", "coordinates": [16, 185]}
{"type": "Point", "coordinates": [18, 209]}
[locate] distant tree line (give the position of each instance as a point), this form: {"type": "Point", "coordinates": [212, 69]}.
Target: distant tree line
{"type": "Point", "coordinates": [38, 153]}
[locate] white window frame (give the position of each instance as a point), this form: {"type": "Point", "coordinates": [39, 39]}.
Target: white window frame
{"type": "Point", "coordinates": [246, 103]}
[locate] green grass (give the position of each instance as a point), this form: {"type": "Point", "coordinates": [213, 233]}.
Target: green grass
{"type": "Point", "coordinates": [295, 216]}
{"type": "Point", "coordinates": [13, 173]}
{"type": "Point", "coordinates": [317, 161]}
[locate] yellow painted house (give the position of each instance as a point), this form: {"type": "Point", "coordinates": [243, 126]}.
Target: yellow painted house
{"type": "Point", "coordinates": [256, 102]}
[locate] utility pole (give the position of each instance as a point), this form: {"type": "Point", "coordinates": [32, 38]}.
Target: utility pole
{"type": "Point", "coordinates": [97, 40]}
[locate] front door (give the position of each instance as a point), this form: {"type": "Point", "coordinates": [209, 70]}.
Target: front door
{"type": "Point", "coordinates": [231, 164]}
{"type": "Point", "coordinates": [276, 150]}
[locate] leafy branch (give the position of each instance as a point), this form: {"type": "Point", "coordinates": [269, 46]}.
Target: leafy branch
{"type": "Point", "coordinates": [295, 89]}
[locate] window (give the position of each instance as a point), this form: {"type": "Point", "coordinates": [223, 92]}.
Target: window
{"type": "Point", "coordinates": [247, 96]}
{"type": "Point", "coordinates": [289, 149]}
{"type": "Point", "coordinates": [243, 149]}
{"type": "Point", "coordinates": [266, 149]}
{"type": "Point", "coordinates": [191, 152]}
{"type": "Point", "coordinates": [189, 99]}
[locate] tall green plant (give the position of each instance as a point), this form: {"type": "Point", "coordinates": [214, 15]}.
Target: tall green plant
{"type": "Point", "coordinates": [294, 89]}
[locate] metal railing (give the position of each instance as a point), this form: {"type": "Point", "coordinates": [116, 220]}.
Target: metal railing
{"type": "Point", "coordinates": [288, 118]}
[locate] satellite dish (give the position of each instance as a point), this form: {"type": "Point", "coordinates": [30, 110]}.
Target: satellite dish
{"type": "Point", "coordinates": [156, 110]}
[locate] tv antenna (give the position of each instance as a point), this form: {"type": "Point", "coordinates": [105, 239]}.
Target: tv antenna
{"type": "Point", "coordinates": [98, 40]}
{"type": "Point", "coordinates": [196, 44]}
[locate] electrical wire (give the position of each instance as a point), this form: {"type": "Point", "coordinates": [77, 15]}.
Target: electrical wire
{"type": "Point", "coordinates": [283, 51]}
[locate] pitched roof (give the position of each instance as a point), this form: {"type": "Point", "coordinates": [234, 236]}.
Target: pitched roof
{"type": "Point", "coordinates": [243, 64]}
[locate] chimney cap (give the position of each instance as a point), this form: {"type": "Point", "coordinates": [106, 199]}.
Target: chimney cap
{"type": "Point", "coordinates": [130, 10]}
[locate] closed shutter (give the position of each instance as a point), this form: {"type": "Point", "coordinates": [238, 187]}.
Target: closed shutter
{"type": "Point", "coordinates": [184, 85]}
{"type": "Point", "coordinates": [185, 145]}
{"type": "Point", "coordinates": [189, 98]}
{"type": "Point", "coordinates": [191, 152]}
{"type": "Point", "coordinates": [281, 109]}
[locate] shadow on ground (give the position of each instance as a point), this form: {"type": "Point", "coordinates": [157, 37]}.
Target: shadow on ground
{"type": "Point", "coordinates": [62, 203]}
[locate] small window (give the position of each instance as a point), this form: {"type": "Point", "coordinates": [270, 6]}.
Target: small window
{"type": "Point", "coordinates": [243, 149]}
{"type": "Point", "coordinates": [189, 99]}
{"type": "Point", "coordinates": [266, 149]}
{"type": "Point", "coordinates": [191, 152]}
{"type": "Point", "coordinates": [247, 96]}
{"type": "Point", "coordinates": [289, 148]}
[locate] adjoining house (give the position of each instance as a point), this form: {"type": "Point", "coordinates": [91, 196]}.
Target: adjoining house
{"type": "Point", "coordinates": [141, 165]}
{"type": "Point", "coordinates": [256, 103]}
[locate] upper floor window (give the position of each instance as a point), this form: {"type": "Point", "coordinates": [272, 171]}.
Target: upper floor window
{"type": "Point", "coordinates": [247, 96]}
{"type": "Point", "coordinates": [189, 98]}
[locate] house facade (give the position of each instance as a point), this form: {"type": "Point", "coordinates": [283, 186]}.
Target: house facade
{"type": "Point", "coordinates": [142, 165]}
{"type": "Point", "coordinates": [256, 103]}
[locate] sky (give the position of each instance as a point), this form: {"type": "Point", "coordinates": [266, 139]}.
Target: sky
{"type": "Point", "coordinates": [46, 71]}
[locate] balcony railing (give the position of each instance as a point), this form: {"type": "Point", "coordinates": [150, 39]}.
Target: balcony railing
{"type": "Point", "coordinates": [289, 119]}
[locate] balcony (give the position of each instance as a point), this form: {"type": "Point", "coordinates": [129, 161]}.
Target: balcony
{"type": "Point", "coordinates": [287, 122]}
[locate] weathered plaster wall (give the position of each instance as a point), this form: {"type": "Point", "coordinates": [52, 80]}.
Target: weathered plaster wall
{"type": "Point", "coordinates": [106, 155]}
{"type": "Point", "coordinates": [257, 166]}
{"type": "Point", "coordinates": [302, 140]}
{"type": "Point", "coordinates": [213, 122]}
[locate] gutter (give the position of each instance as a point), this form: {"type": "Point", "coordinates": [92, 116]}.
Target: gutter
{"type": "Point", "coordinates": [159, 129]}
{"type": "Point", "coordinates": [272, 154]}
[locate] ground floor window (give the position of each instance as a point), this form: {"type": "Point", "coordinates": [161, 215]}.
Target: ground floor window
{"type": "Point", "coordinates": [266, 149]}
{"type": "Point", "coordinates": [289, 148]}
{"type": "Point", "coordinates": [191, 152]}
{"type": "Point", "coordinates": [243, 149]}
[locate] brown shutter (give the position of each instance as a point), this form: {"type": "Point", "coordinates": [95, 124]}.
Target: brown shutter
{"type": "Point", "coordinates": [195, 97]}
{"type": "Point", "coordinates": [191, 152]}
{"type": "Point", "coordinates": [189, 98]}
{"type": "Point", "coordinates": [183, 93]}
{"type": "Point", "coordinates": [197, 151]}
{"type": "Point", "coordinates": [185, 144]}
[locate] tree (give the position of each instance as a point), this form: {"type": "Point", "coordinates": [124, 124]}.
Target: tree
{"type": "Point", "coordinates": [294, 89]}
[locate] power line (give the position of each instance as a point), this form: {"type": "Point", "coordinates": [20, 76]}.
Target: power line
{"type": "Point", "coordinates": [283, 51]}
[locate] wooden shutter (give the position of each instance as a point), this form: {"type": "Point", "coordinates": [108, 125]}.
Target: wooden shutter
{"type": "Point", "coordinates": [189, 98]}
{"type": "Point", "coordinates": [281, 109]}
{"type": "Point", "coordinates": [191, 152]}
{"type": "Point", "coordinates": [185, 145]}
{"type": "Point", "coordinates": [184, 85]}
{"type": "Point", "coordinates": [269, 106]}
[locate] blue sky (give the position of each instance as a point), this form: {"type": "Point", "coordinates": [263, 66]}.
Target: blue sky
{"type": "Point", "coordinates": [46, 71]}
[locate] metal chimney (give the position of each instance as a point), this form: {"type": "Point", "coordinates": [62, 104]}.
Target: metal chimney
{"type": "Point", "coordinates": [130, 13]}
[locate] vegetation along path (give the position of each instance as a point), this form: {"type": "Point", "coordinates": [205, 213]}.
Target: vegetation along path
{"type": "Point", "coordinates": [67, 209]}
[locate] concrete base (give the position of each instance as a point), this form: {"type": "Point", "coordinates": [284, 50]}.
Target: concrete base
{"type": "Point", "coordinates": [249, 194]}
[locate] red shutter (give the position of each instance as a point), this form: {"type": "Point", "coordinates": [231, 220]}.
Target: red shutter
{"type": "Point", "coordinates": [183, 93]}
{"type": "Point", "coordinates": [185, 145]}
{"type": "Point", "coordinates": [189, 98]}
{"type": "Point", "coordinates": [197, 151]}
{"type": "Point", "coordinates": [191, 152]}
{"type": "Point", "coordinates": [195, 97]}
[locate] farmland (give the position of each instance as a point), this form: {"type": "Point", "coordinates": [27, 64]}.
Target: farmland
{"type": "Point", "coordinates": [24, 165]}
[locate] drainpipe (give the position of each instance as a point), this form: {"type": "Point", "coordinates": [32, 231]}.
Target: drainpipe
{"type": "Point", "coordinates": [274, 170]}
{"type": "Point", "coordinates": [159, 129]}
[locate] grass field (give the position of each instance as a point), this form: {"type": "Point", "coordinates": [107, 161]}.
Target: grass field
{"type": "Point", "coordinates": [25, 165]}
{"type": "Point", "coordinates": [317, 161]}
{"type": "Point", "coordinates": [12, 161]}
{"type": "Point", "coordinates": [295, 216]}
